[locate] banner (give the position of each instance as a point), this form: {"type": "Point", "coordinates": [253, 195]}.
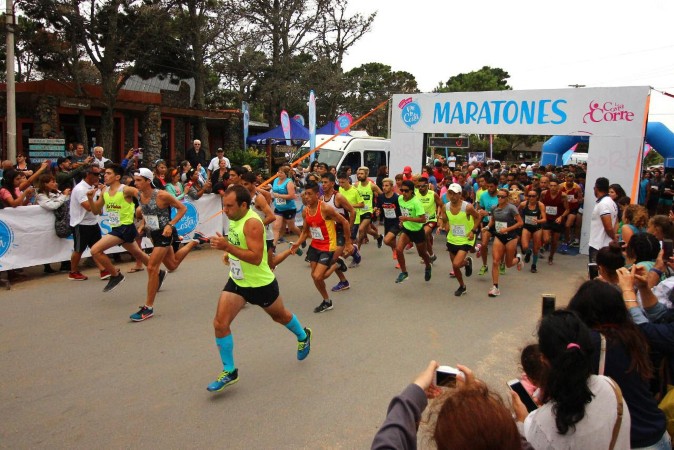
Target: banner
{"type": "Point", "coordinates": [27, 236]}
{"type": "Point", "coordinates": [285, 125]}
{"type": "Point", "coordinates": [312, 122]}
{"type": "Point", "coordinates": [476, 157]}
{"type": "Point", "coordinates": [246, 122]}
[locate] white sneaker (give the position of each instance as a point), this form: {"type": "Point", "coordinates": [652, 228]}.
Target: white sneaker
{"type": "Point", "coordinates": [494, 292]}
{"type": "Point", "coordinates": [520, 263]}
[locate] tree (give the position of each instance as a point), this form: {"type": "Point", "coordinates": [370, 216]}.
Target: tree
{"type": "Point", "coordinates": [485, 79]}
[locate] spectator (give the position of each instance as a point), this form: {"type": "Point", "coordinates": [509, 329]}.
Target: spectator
{"type": "Point", "coordinates": [175, 187]}
{"type": "Point", "coordinates": [195, 188]}
{"type": "Point", "coordinates": [184, 167]}
{"type": "Point", "coordinates": [642, 249]}
{"type": "Point", "coordinates": [79, 157]}
{"type": "Point", "coordinates": [65, 173]}
{"type": "Point", "coordinates": [221, 174]}
{"type": "Point", "coordinates": [661, 227]}
{"type": "Point", "coordinates": [22, 165]}
{"type": "Point", "coordinates": [196, 154]}
{"type": "Point", "coordinates": [382, 173]}
{"type": "Point", "coordinates": [215, 162]}
{"type": "Point", "coordinates": [635, 221]}
{"type": "Point", "coordinates": [51, 199]}
{"type": "Point", "coordinates": [16, 189]}
{"type": "Point", "coordinates": [666, 194]}
{"type": "Point", "coordinates": [609, 260]}
{"type": "Point", "coordinates": [160, 169]}
{"type": "Point", "coordinates": [604, 218]}
{"type": "Point", "coordinates": [99, 159]}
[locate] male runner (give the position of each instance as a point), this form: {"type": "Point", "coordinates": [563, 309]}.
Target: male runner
{"type": "Point", "coordinates": [319, 223]}
{"type": "Point", "coordinates": [352, 195]}
{"type": "Point", "coordinates": [433, 206]}
{"type": "Point", "coordinates": [556, 210]}
{"type": "Point", "coordinates": [343, 207]}
{"type": "Point", "coordinates": [250, 280]}
{"type": "Point", "coordinates": [574, 196]}
{"type": "Point", "coordinates": [412, 220]}
{"type": "Point", "coordinates": [368, 190]}
{"type": "Point", "coordinates": [488, 201]}
{"type": "Point", "coordinates": [159, 226]}
{"type": "Point", "coordinates": [387, 204]}
{"type": "Point", "coordinates": [260, 203]}
{"type": "Point", "coordinates": [118, 202]}
{"type": "Point", "coordinates": [462, 227]}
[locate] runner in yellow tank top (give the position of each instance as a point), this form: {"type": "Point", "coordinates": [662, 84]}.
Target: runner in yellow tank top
{"type": "Point", "coordinates": [368, 190]}
{"type": "Point", "coordinates": [118, 202]}
{"type": "Point", "coordinates": [433, 206]}
{"type": "Point", "coordinates": [462, 226]}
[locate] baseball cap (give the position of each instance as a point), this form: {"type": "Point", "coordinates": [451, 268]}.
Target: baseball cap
{"type": "Point", "coordinates": [475, 172]}
{"type": "Point", "coordinates": [220, 149]}
{"type": "Point", "coordinates": [523, 165]}
{"type": "Point", "coordinates": [145, 173]}
{"type": "Point", "coordinates": [63, 159]}
{"type": "Point", "coordinates": [455, 187]}
{"type": "Point", "coordinates": [407, 169]}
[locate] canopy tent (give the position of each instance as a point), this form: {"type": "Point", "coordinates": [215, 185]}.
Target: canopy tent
{"type": "Point", "coordinates": [275, 136]}
{"type": "Point", "coordinates": [330, 128]}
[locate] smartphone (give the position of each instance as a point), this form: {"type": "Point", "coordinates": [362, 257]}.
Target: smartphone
{"type": "Point", "coordinates": [592, 270]}
{"type": "Point", "coordinates": [667, 247]}
{"type": "Point", "coordinates": [547, 304]}
{"type": "Point", "coordinates": [445, 376]}
{"type": "Point", "coordinates": [529, 403]}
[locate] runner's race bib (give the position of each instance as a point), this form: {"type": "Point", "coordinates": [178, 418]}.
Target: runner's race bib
{"type": "Point", "coordinates": [113, 218]}
{"type": "Point", "coordinates": [152, 223]}
{"type": "Point", "coordinates": [390, 213]}
{"type": "Point", "coordinates": [280, 201]}
{"type": "Point", "coordinates": [530, 220]}
{"type": "Point", "coordinates": [570, 198]}
{"type": "Point", "coordinates": [316, 233]}
{"type": "Point", "coordinates": [552, 210]}
{"type": "Point", "coordinates": [500, 226]}
{"type": "Point", "coordinates": [235, 269]}
{"type": "Point", "coordinates": [405, 212]}
{"type": "Point", "coordinates": [458, 230]}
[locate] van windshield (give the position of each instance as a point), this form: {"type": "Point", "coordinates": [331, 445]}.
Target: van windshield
{"type": "Point", "coordinates": [324, 155]}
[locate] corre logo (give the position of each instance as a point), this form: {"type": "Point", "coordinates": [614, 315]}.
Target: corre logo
{"type": "Point", "coordinates": [411, 113]}
{"type": "Point", "coordinates": [607, 112]}
{"type": "Point", "coordinates": [189, 221]}
{"type": "Point", "coordinates": [6, 238]}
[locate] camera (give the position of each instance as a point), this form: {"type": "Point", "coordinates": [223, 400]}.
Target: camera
{"type": "Point", "coordinates": [445, 376]}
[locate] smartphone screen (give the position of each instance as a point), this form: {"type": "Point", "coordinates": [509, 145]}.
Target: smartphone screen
{"type": "Point", "coordinates": [445, 376]}
{"type": "Point", "coordinates": [522, 393]}
{"type": "Point", "coordinates": [548, 304]}
{"type": "Point", "coordinates": [667, 247]}
{"type": "Point", "coordinates": [593, 270]}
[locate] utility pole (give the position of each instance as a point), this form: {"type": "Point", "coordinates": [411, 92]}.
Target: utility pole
{"type": "Point", "coordinates": [11, 92]}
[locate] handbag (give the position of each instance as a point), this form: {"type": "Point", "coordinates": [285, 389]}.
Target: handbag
{"type": "Point", "coordinates": [62, 221]}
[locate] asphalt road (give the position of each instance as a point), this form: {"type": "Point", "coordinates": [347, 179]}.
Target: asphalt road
{"type": "Point", "coordinates": [76, 373]}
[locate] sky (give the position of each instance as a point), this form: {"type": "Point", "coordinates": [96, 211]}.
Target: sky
{"type": "Point", "coordinates": [541, 44]}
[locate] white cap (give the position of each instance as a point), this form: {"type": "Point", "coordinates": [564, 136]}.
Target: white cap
{"type": "Point", "coordinates": [475, 172]}
{"type": "Point", "coordinates": [455, 187]}
{"type": "Point", "coordinates": [145, 173]}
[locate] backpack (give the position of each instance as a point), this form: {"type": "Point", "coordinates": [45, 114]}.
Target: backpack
{"type": "Point", "coordinates": [62, 221]}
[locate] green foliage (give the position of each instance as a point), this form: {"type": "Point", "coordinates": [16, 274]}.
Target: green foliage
{"type": "Point", "coordinates": [254, 158]}
{"type": "Point", "coordinates": [485, 79]}
{"type": "Point", "coordinates": [653, 158]}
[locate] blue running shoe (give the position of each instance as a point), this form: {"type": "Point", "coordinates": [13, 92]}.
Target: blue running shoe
{"type": "Point", "coordinates": [304, 347]}
{"type": "Point", "coordinates": [341, 286]}
{"type": "Point", "coordinates": [563, 248]}
{"type": "Point", "coordinates": [143, 313]}
{"type": "Point", "coordinates": [402, 276]}
{"type": "Point", "coordinates": [225, 379]}
{"type": "Point", "coordinates": [356, 255]}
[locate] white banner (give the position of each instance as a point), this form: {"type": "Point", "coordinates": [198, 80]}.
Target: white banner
{"type": "Point", "coordinates": [27, 236]}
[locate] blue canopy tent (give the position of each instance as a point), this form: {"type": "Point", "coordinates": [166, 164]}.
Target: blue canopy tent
{"type": "Point", "coordinates": [331, 129]}
{"type": "Point", "coordinates": [298, 134]}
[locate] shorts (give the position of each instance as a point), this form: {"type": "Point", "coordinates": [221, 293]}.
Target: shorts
{"type": "Point", "coordinates": [574, 211]}
{"type": "Point", "coordinates": [418, 237]}
{"type": "Point", "coordinates": [431, 225]}
{"type": "Point", "coordinates": [366, 216]}
{"type": "Point", "coordinates": [85, 236]}
{"type": "Point", "coordinates": [454, 248]}
{"type": "Point", "coordinates": [288, 214]}
{"type": "Point", "coordinates": [505, 238]}
{"type": "Point", "coordinates": [127, 233]}
{"type": "Point", "coordinates": [354, 232]}
{"type": "Point", "coordinates": [159, 240]}
{"type": "Point", "coordinates": [270, 245]}
{"type": "Point", "coordinates": [263, 296]}
{"type": "Point", "coordinates": [319, 256]}
{"type": "Point", "coordinates": [532, 228]}
{"type": "Point", "coordinates": [392, 228]}
{"type": "Point", "coordinates": [553, 226]}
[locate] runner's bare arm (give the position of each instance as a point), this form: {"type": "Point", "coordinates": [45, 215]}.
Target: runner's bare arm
{"type": "Point", "coordinates": [262, 204]}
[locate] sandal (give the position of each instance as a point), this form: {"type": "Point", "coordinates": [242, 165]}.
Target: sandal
{"type": "Point", "coordinates": [136, 269]}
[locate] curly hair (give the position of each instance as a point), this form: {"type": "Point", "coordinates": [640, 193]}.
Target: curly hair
{"type": "Point", "coordinates": [635, 215]}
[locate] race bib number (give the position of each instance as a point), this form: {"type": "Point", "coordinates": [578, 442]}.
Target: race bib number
{"type": "Point", "coordinates": [405, 212]}
{"type": "Point", "coordinates": [570, 198]}
{"type": "Point", "coordinates": [365, 208]}
{"type": "Point", "coordinates": [500, 226]}
{"type": "Point", "coordinates": [552, 210]}
{"type": "Point", "coordinates": [530, 220]}
{"type": "Point", "coordinates": [280, 201]}
{"type": "Point", "coordinates": [316, 233]}
{"type": "Point", "coordinates": [390, 213]}
{"type": "Point", "coordinates": [113, 218]}
{"type": "Point", "coordinates": [152, 223]}
{"type": "Point", "coordinates": [458, 230]}
{"type": "Point", "coordinates": [235, 269]}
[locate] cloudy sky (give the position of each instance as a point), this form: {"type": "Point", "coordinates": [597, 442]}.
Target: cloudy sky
{"type": "Point", "coordinates": [541, 44]}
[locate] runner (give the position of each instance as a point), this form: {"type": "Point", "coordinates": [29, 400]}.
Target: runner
{"type": "Point", "coordinates": [283, 192]}
{"type": "Point", "coordinates": [342, 206]}
{"type": "Point", "coordinates": [556, 210]}
{"type": "Point", "coordinates": [352, 195]}
{"type": "Point", "coordinates": [387, 204]}
{"type": "Point", "coordinates": [367, 190]}
{"type": "Point", "coordinates": [433, 206]}
{"type": "Point", "coordinates": [462, 226]}
{"type": "Point", "coordinates": [533, 215]}
{"type": "Point", "coordinates": [574, 196]}
{"type": "Point", "coordinates": [118, 202]}
{"type": "Point", "coordinates": [412, 220]}
{"type": "Point", "coordinates": [319, 223]}
{"type": "Point", "coordinates": [488, 201]}
{"type": "Point", "coordinates": [260, 204]}
{"type": "Point", "coordinates": [158, 225]}
{"type": "Point", "coordinates": [250, 280]}
{"type": "Point", "coordinates": [505, 220]}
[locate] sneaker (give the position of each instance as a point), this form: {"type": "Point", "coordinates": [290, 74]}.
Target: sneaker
{"type": "Point", "coordinates": [483, 270]}
{"type": "Point", "coordinates": [527, 256]}
{"type": "Point", "coordinates": [469, 266]}
{"type": "Point", "coordinates": [494, 292]}
{"type": "Point", "coordinates": [77, 276]}
{"type": "Point", "coordinates": [550, 260]}
{"type": "Point", "coordinates": [304, 347]}
{"type": "Point", "coordinates": [200, 238]}
{"type": "Point", "coordinates": [356, 256]}
{"type": "Point", "coordinates": [451, 274]}
{"type": "Point", "coordinates": [324, 306]}
{"type": "Point", "coordinates": [342, 265]}
{"type": "Point", "coordinates": [402, 276]}
{"type": "Point", "coordinates": [380, 241]}
{"type": "Point", "coordinates": [409, 246]}
{"type": "Point", "coordinates": [478, 249]}
{"type": "Point", "coordinates": [433, 258]}
{"type": "Point", "coordinates": [501, 269]}
{"type": "Point", "coordinates": [162, 277]}
{"type": "Point", "coordinates": [461, 291]}
{"type": "Point", "coordinates": [563, 248]}
{"type": "Point", "coordinates": [105, 275]}
{"type": "Point", "coordinates": [113, 282]}
{"type": "Point", "coordinates": [341, 286]}
{"type": "Point", "coordinates": [142, 314]}
{"type": "Point", "coordinates": [575, 243]}
{"type": "Point", "coordinates": [353, 265]}
{"type": "Point", "coordinates": [225, 379]}
{"type": "Point", "coordinates": [519, 262]}
{"type": "Point", "coordinates": [427, 273]}
{"type": "Point", "coordinates": [533, 268]}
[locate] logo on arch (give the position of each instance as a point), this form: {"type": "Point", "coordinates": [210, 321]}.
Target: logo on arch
{"type": "Point", "coordinates": [6, 238]}
{"type": "Point", "coordinates": [189, 221]}
{"type": "Point", "coordinates": [410, 112]}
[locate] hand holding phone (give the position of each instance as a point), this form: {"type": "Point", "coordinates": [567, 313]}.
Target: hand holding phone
{"type": "Point", "coordinates": [516, 386]}
{"type": "Point", "coordinates": [593, 270]}
{"type": "Point", "coordinates": [445, 376]}
{"type": "Point", "coordinates": [667, 248]}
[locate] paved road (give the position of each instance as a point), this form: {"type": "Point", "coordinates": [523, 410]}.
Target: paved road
{"type": "Point", "coordinates": [76, 373]}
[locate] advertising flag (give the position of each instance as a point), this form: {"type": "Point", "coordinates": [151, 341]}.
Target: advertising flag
{"type": "Point", "coordinates": [246, 121]}
{"type": "Point", "coordinates": [285, 125]}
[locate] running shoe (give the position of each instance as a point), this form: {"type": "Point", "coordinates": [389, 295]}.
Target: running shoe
{"type": "Point", "coordinates": [304, 347]}
{"type": "Point", "coordinates": [451, 274]}
{"type": "Point", "coordinates": [550, 260]}
{"type": "Point", "coordinates": [105, 275]}
{"type": "Point", "coordinates": [501, 269]}
{"type": "Point", "coordinates": [461, 291]}
{"type": "Point", "coordinates": [533, 268]}
{"type": "Point", "coordinates": [478, 250]}
{"type": "Point", "coordinates": [143, 313]}
{"type": "Point", "coordinates": [402, 276]}
{"type": "Point", "coordinates": [353, 265]}
{"type": "Point", "coordinates": [324, 306]}
{"type": "Point", "coordinates": [575, 243]}
{"type": "Point", "coordinates": [433, 258]}
{"type": "Point", "coordinates": [527, 256]}
{"type": "Point", "coordinates": [494, 292]}
{"type": "Point", "coordinates": [200, 238]}
{"type": "Point", "coordinates": [356, 255]}
{"type": "Point", "coordinates": [483, 270]}
{"type": "Point", "coordinates": [469, 266]}
{"type": "Point", "coordinates": [225, 379]}
{"type": "Point", "coordinates": [113, 282]}
{"type": "Point", "coordinates": [341, 286]}
{"type": "Point", "coordinates": [380, 241]}
{"type": "Point", "coordinates": [427, 273]}
{"type": "Point", "coordinates": [409, 246]}
{"type": "Point", "coordinates": [563, 248]}
{"type": "Point", "coordinates": [519, 262]}
{"type": "Point", "coordinates": [77, 276]}
{"type": "Point", "coordinates": [162, 277]}
{"type": "Point", "coordinates": [342, 264]}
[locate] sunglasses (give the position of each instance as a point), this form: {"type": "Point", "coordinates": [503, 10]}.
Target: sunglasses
{"type": "Point", "coordinates": [502, 196]}
{"type": "Point", "coordinates": [404, 190]}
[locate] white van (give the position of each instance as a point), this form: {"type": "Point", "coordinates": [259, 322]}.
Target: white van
{"type": "Point", "coordinates": [350, 151]}
{"type": "Point", "coordinates": [577, 158]}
